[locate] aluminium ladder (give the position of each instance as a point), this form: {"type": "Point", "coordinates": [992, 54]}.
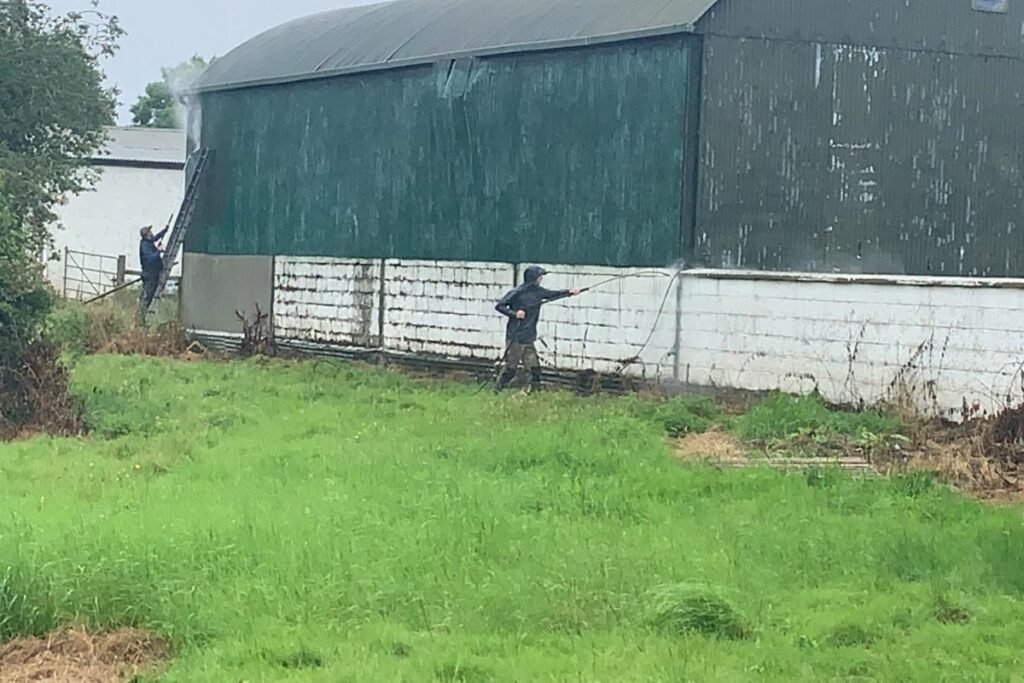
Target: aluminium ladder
{"type": "Point", "coordinates": [181, 225]}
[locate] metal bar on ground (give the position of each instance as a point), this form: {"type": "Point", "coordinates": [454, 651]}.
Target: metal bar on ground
{"type": "Point", "coordinates": [104, 295]}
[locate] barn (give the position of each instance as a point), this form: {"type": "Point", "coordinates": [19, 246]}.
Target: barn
{"type": "Point", "coordinates": [805, 194]}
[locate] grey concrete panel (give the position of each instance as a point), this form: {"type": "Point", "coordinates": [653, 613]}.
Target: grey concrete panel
{"type": "Point", "coordinates": [214, 288]}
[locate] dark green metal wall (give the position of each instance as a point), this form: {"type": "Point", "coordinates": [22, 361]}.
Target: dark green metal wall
{"type": "Point", "coordinates": [860, 140]}
{"type": "Point", "coordinates": [951, 26]}
{"type": "Point", "coordinates": [568, 157]}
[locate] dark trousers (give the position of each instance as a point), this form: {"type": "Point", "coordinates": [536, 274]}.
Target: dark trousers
{"type": "Point", "coordinates": [150, 281]}
{"type": "Point", "coordinates": [520, 354]}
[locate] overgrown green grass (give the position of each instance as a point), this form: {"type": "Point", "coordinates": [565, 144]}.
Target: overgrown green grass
{"type": "Point", "coordinates": [317, 522]}
{"type": "Point", "coordinates": [780, 417]}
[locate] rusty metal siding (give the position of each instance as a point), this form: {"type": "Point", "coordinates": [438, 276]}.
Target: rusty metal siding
{"type": "Point", "coordinates": [829, 157]}
{"type": "Point", "coordinates": [574, 156]}
{"type": "Point", "coordinates": [932, 25]}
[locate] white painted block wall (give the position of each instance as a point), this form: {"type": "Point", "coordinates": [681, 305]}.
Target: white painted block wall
{"type": "Point", "coordinates": [625, 326]}
{"type": "Point", "coordinates": [943, 343]}
{"type": "Point", "coordinates": [334, 301]}
{"type": "Point", "coordinates": [107, 219]}
{"type": "Point", "coordinates": [445, 308]}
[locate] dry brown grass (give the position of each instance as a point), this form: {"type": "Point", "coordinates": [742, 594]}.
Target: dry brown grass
{"type": "Point", "coordinates": [714, 445]}
{"type": "Point", "coordinates": [77, 656]}
{"type": "Point", "coordinates": [984, 457]}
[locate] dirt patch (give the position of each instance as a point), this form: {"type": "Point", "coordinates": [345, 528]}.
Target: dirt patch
{"type": "Point", "coordinates": [726, 450]}
{"type": "Point", "coordinates": [77, 656]}
{"type": "Point", "coordinates": [714, 445]}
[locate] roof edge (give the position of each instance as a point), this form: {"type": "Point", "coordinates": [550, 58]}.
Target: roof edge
{"type": "Point", "coordinates": [512, 49]}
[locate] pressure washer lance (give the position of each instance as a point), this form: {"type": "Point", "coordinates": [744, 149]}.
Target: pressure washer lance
{"type": "Point", "coordinates": [618, 278]}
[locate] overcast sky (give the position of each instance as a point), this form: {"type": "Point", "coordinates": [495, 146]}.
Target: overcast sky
{"type": "Point", "coordinates": [167, 32]}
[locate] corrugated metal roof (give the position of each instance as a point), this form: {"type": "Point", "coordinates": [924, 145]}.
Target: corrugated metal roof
{"type": "Point", "coordinates": [143, 146]}
{"type": "Point", "coordinates": [406, 32]}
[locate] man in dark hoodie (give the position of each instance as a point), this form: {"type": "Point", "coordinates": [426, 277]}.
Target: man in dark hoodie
{"type": "Point", "coordinates": [152, 265]}
{"type": "Point", "coordinates": [522, 308]}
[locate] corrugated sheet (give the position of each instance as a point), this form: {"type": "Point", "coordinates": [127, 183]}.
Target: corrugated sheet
{"type": "Point", "coordinates": [934, 25]}
{"type": "Point", "coordinates": [418, 31]}
{"type": "Point", "coordinates": [143, 145]}
{"type": "Point", "coordinates": [572, 157]}
{"type": "Point", "coordinates": [827, 157]}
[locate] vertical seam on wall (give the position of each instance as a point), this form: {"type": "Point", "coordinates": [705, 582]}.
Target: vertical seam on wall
{"type": "Point", "coordinates": [382, 301]}
{"type": "Point", "coordinates": [677, 366]}
{"type": "Point", "coordinates": [692, 148]}
{"type": "Point", "coordinates": [273, 296]}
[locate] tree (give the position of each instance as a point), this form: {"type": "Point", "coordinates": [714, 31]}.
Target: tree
{"type": "Point", "coordinates": [52, 115]}
{"type": "Point", "coordinates": [160, 107]}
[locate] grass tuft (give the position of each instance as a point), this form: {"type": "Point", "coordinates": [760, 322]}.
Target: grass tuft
{"type": "Point", "coordinates": [950, 612]}
{"type": "Point", "coordinates": [300, 659]}
{"type": "Point", "coordinates": [680, 415]}
{"type": "Point", "coordinates": [851, 635]}
{"type": "Point", "coordinates": [693, 608]}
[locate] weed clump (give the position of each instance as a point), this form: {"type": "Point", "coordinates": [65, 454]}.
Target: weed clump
{"type": "Point", "coordinates": [679, 416]}
{"type": "Point", "coordinates": [850, 635]}
{"type": "Point", "coordinates": [781, 417]}
{"type": "Point", "coordinates": [951, 613]}
{"type": "Point", "coordinates": [113, 326]}
{"type": "Point", "coordinates": [692, 608]}
{"type": "Point", "coordinates": [301, 659]}
{"type": "Point", "coordinates": [35, 396]}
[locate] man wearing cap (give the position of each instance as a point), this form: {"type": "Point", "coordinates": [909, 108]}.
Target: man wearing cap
{"type": "Point", "coordinates": [522, 308]}
{"type": "Point", "coordinates": [152, 264]}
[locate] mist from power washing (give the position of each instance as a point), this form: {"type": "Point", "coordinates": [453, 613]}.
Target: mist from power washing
{"type": "Point", "coordinates": [179, 80]}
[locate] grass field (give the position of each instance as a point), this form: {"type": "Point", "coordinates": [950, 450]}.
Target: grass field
{"type": "Point", "coordinates": [318, 522]}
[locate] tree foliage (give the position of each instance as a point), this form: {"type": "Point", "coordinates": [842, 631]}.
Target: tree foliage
{"type": "Point", "coordinates": [159, 106]}
{"type": "Point", "coordinates": [53, 109]}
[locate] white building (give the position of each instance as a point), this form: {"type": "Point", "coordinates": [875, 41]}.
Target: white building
{"type": "Point", "coordinates": [141, 183]}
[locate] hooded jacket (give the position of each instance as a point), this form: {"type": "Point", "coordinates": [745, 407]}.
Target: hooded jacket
{"type": "Point", "coordinates": [527, 297]}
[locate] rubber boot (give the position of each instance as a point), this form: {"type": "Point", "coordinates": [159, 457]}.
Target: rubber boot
{"type": "Point", "coordinates": [535, 380]}
{"type": "Point", "coordinates": [506, 377]}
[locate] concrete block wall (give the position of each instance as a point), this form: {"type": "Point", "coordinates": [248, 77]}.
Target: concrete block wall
{"type": "Point", "coordinates": [445, 308]}
{"type": "Point", "coordinates": [942, 343]}
{"type": "Point", "coordinates": [625, 326]}
{"type": "Point", "coordinates": [945, 344]}
{"type": "Point", "coordinates": [334, 301]}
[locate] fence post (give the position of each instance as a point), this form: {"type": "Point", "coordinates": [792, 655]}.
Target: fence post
{"type": "Point", "coordinates": [65, 272]}
{"type": "Point", "coordinates": [122, 266]}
